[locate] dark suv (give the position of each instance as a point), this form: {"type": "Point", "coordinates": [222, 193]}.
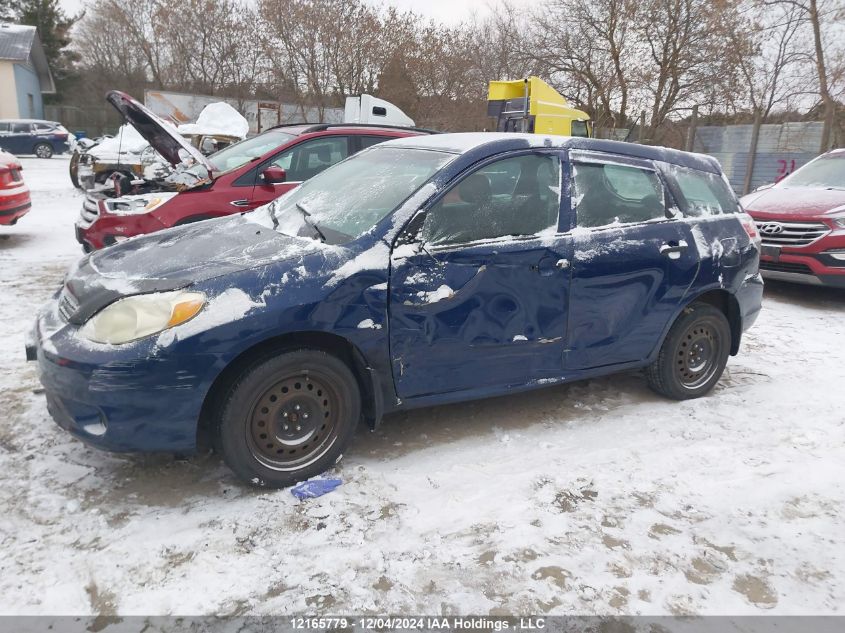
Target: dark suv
{"type": "Point", "coordinates": [33, 136]}
{"type": "Point", "coordinates": [420, 271]}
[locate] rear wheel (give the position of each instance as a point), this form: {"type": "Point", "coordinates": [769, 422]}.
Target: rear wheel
{"type": "Point", "coordinates": [694, 354]}
{"type": "Point", "coordinates": [43, 150]}
{"type": "Point", "coordinates": [288, 418]}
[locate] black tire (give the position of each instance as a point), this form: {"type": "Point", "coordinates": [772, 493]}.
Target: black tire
{"type": "Point", "coordinates": [288, 418]}
{"type": "Point", "coordinates": [73, 170]}
{"type": "Point", "coordinates": [694, 354]}
{"type": "Point", "coordinates": [43, 150]}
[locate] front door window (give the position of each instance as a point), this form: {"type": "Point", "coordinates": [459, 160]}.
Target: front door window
{"type": "Point", "coordinates": [307, 159]}
{"type": "Point", "coordinates": [511, 197]}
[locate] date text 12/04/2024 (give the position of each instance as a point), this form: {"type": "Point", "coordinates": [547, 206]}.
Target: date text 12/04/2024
{"type": "Point", "coordinates": [419, 623]}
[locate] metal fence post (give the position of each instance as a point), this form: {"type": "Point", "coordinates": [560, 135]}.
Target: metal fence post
{"type": "Point", "coordinates": [691, 131]}
{"type": "Point", "coordinates": [752, 154]}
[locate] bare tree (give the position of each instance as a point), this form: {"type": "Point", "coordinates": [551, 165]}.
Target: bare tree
{"type": "Point", "coordinates": [820, 16]}
{"type": "Point", "coordinates": [586, 48]}
{"type": "Point", "coordinates": [689, 55]}
{"type": "Point", "coordinates": [772, 69]}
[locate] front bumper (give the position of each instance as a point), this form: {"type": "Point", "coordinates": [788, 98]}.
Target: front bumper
{"type": "Point", "coordinates": [820, 261]}
{"type": "Point", "coordinates": [128, 398]}
{"type": "Point", "coordinates": [809, 269]}
{"type": "Point", "coordinates": [98, 230]}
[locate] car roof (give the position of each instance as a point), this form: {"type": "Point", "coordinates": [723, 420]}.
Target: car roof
{"type": "Point", "coordinates": [299, 129]}
{"type": "Point", "coordinates": [28, 121]}
{"type": "Point", "coordinates": [494, 142]}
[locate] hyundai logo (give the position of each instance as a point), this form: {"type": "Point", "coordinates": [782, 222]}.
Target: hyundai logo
{"type": "Point", "coordinates": [771, 228]}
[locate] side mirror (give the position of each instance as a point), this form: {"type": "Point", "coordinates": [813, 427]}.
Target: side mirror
{"type": "Point", "coordinates": [274, 175]}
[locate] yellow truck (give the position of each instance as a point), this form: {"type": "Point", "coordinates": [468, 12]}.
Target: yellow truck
{"type": "Point", "coordinates": [532, 105]}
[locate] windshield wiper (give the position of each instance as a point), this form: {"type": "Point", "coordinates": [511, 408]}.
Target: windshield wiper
{"type": "Point", "coordinates": [307, 216]}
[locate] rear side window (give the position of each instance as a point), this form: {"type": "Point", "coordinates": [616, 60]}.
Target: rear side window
{"type": "Point", "coordinates": [21, 128]}
{"type": "Point", "coordinates": [44, 128]}
{"type": "Point", "coordinates": [702, 194]}
{"type": "Point", "coordinates": [616, 194]}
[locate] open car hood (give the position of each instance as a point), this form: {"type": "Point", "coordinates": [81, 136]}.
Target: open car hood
{"type": "Point", "coordinates": [161, 135]}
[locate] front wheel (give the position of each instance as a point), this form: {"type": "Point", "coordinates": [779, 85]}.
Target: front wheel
{"type": "Point", "coordinates": [288, 418]}
{"type": "Point", "coordinates": [43, 150]}
{"type": "Point", "coordinates": [694, 354]}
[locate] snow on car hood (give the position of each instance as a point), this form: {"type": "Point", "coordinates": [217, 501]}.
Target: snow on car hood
{"type": "Point", "coordinates": [163, 136]}
{"type": "Point", "coordinates": [810, 201]}
{"type": "Point", "coordinates": [176, 258]}
{"type": "Point", "coordinates": [218, 119]}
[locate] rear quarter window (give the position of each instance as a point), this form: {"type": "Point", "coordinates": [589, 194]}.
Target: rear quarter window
{"type": "Point", "coordinates": [701, 194]}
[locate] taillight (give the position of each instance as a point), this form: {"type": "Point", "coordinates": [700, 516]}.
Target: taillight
{"type": "Point", "coordinates": [60, 137]}
{"type": "Point", "coordinates": [8, 175]}
{"type": "Point", "coordinates": [750, 228]}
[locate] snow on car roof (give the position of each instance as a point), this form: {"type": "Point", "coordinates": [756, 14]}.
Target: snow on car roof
{"type": "Point", "coordinates": [463, 142]}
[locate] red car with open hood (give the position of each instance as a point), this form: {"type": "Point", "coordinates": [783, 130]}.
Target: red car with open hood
{"type": "Point", "coordinates": [238, 178]}
{"type": "Point", "coordinates": [14, 194]}
{"type": "Point", "coordinates": [802, 222]}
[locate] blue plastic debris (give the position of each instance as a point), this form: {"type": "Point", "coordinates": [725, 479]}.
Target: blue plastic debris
{"type": "Point", "coordinates": [314, 488]}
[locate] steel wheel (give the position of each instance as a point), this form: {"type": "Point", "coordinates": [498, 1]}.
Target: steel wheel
{"type": "Point", "coordinates": [294, 422]}
{"type": "Point", "coordinates": [698, 355]}
{"type": "Point", "coordinates": [287, 416]}
{"type": "Point", "coordinates": [693, 355]}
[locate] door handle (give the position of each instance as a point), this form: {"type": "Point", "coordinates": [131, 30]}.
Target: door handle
{"type": "Point", "coordinates": [546, 268]}
{"type": "Point", "coordinates": [240, 203]}
{"type": "Point", "coordinates": [673, 250]}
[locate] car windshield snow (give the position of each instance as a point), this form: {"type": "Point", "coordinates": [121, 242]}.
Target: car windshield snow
{"type": "Point", "coordinates": [827, 172]}
{"type": "Point", "coordinates": [345, 201]}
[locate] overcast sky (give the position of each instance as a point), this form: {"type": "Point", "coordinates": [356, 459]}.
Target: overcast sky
{"type": "Point", "coordinates": [449, 11]}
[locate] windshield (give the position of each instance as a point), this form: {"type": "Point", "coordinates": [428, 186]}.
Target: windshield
{"type": "Point", "coordinates": [348, 199]}
{"type": "Point", "coordinates": [827, 172]}
{"type": "Point", "coordinates": [241, 153]}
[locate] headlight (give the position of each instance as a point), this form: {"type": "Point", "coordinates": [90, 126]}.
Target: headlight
{"type": "Point", "coordinates": [135, 206]}
{"type": "Point", "coordinates": [141, 315]}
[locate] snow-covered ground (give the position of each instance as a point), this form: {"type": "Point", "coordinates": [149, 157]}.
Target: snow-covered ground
{"type": "Point", "coordinates": [596, 497]}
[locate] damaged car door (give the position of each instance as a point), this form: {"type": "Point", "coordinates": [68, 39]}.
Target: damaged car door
{"type": "Point", "coordinates": [479, 290]}
{"type": "Point", "coordinates": [632, 264]}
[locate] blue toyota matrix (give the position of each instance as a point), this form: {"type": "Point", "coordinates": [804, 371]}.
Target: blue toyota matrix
{"type": "Point", "coordinates": [421, 271]}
